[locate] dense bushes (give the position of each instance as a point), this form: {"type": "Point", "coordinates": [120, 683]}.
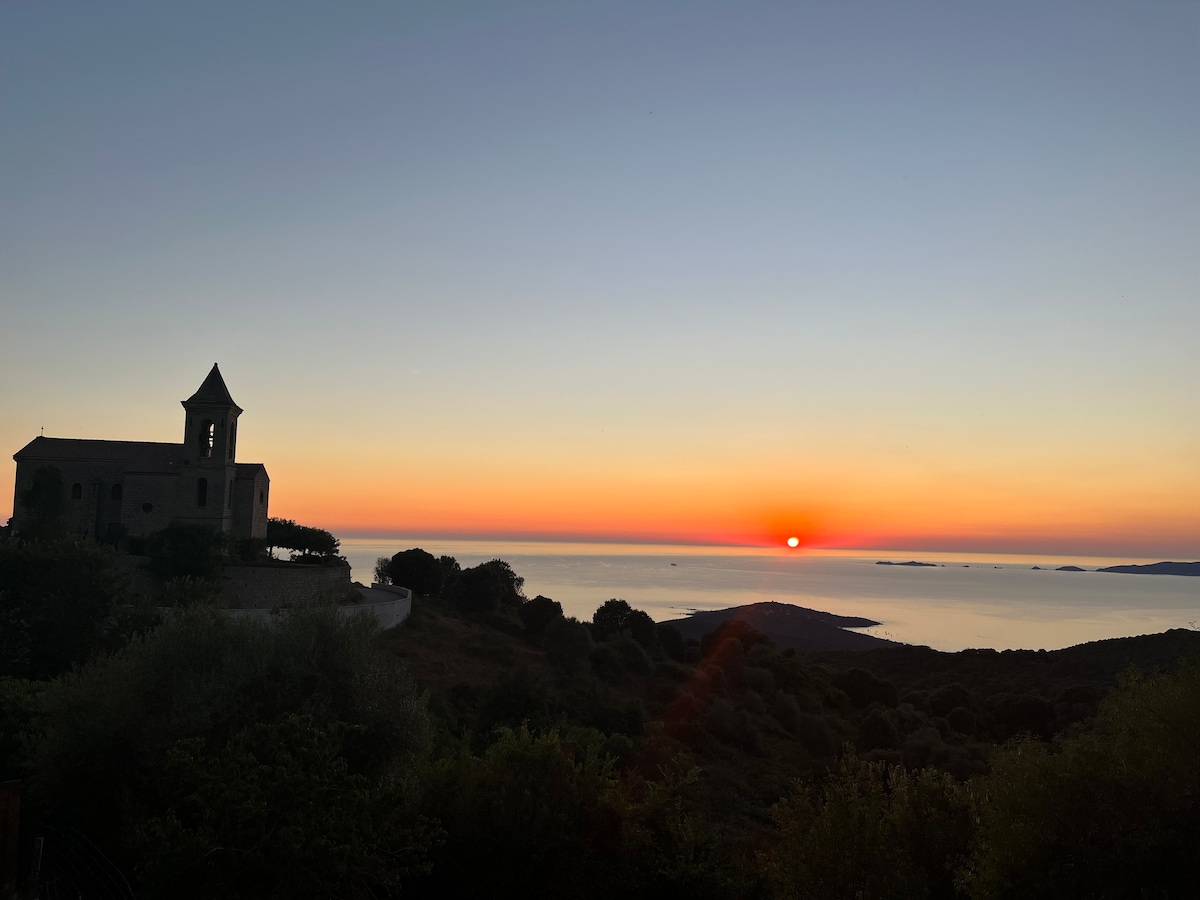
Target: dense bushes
{"type": "Point", "coordinates": [872, 830]}
{"type": "Point", "coordinates": [1112, 812]}
{"type": "Point", "coordinates": [61, 602]}
{"type": "Point", "coordinates": [107, 730]}
{"type": "Point", "coordinates": [553, 757]}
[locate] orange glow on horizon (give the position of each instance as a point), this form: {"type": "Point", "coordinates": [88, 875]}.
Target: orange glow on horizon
{"type": "Point", "coordinates": [980, 517]}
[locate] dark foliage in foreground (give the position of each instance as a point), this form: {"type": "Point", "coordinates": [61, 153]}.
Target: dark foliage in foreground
{"type": "Point", "coordinates": [538, 755]}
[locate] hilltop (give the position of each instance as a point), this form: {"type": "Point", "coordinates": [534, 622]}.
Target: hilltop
{"type": "Point", "coordinates": [788, 626]}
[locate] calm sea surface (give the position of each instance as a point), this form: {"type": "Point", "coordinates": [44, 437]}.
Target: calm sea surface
{"type": "Point", "coordinates": [968, 600]}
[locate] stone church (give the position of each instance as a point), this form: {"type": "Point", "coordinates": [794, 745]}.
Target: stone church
{"type": "Point", "coordinates": [119, 488]}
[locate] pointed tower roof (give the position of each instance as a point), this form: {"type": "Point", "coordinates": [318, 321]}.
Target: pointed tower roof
{"type": "Point", "coordinates": [213, 392]}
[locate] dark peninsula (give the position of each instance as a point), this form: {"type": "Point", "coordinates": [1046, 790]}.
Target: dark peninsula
{"type": "Point", "coordinates": [911, 562]}
{"type": "Point", "coordinates": [1160, 568]}
{"type": "Point", "coordinates": [788, 626]}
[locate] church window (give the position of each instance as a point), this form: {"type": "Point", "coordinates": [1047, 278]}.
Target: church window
{"type": "Point", "coordinates": [117, 492]}
{"type": "Point", "coordinates": [202, 492]}
{"type": "Point", "coordinates": [261, 497]}
{"type": "Point", "coordinates": [232, 436]}
{"type": "Point", "coordinates": [205, 439]}
{"type": "Point", "coordinates": [77, 491]}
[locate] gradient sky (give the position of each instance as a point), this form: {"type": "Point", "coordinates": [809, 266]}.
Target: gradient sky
{"type": "Point", "coordinates": [878, 274]}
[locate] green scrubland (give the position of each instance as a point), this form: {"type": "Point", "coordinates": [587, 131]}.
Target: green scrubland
{"type": "Point", "coordinates": [493, 747]}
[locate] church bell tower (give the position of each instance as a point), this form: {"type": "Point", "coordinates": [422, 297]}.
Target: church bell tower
{"type": "Point", "coordinates": [210, 447]}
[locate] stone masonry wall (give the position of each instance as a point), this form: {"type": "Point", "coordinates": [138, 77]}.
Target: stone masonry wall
{"type": "Point", "coordinates": [259, 587]}
{"type": "Point", "coordinates": [256, 587]}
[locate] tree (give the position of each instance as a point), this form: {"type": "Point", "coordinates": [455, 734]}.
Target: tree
{"type": "Point", "coordinates": [451, 572]}
{"type": "Point", "coordinates": [416, 570]}
{"type": "Point", "coordinates": [671, 640]}
{"type": "Point", "coordinates": [568, 643]}
{"type": "Point", "coordinates": [303, 539]}
{"type": "Point", "coordinates": [539, 612]}
{"type": "Point", "coordinates": [489, 586]}
{"type": "Point", "coordinates": [381, 575]}
{"type": "Point", "coordinates": [186, 551]}
{"type": "Point", "coordinates": [617, 616]}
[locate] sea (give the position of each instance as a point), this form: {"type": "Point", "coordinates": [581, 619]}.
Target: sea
{"type": "Point", "coordinates": [964, 600]}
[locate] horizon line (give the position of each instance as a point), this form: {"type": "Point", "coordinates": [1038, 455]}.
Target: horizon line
{"type": "Point", "coordinates": [526, 538]}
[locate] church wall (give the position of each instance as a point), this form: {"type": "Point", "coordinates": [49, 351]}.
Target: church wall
{"type": "Point", "coordinates": [215, 511]}
{"type": "Point", "coordinates": [153, 489]}
{"type": "Point", "coordinates": [251, 499]}
{"type": "Point", "coordinates": [95, 509]}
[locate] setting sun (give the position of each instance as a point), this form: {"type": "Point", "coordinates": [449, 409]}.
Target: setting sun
{"type": "Point", "coordinates": [793, 542]}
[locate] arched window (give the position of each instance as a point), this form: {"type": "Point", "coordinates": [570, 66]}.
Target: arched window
{"type": "Point", "coordinates": [77, 491]}
{"type": "Point", "coordinates": [117, 492]}
{"type": "Point", "coordinates": [202, 492]}
{"type": "Point", "coordinates": [232, 436]}
{"type": "Point", "coordinates": [261, 498]}
{"type": "Point", "coordinates": [205, 439]}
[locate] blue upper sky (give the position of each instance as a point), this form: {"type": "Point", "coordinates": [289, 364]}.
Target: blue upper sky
{"type": "Point", "coordinates": [961, 221]}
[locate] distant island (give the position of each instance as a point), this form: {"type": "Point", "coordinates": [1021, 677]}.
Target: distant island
{"type": "Point", "coordinates": [1159, 568]}
{"type": "Point", "coordinates": [911, 562]}
{"type": "Point", "coordinates": [1069, 569]}
{"type": "Point", "coordinates": [788, 626]}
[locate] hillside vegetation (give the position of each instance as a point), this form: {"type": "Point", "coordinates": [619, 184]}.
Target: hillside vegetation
{"type": "Point", "coordinates": [493, 747]}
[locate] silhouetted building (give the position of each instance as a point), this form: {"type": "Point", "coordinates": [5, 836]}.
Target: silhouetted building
{"type": "Point", "coordinates": [116, 488]}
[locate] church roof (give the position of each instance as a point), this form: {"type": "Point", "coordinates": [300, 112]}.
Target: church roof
{"type": "Point", "coordinates": [143, 454]}
{"type": "Point", "coordinates": [213, 391]}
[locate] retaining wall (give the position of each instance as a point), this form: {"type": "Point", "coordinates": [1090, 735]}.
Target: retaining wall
{"type": "Point", "coordinates": [388, 613]}
{"type": "Point", "coordinates": [255, 587]}
{"type": "Point", "coordinates": [267, 587]}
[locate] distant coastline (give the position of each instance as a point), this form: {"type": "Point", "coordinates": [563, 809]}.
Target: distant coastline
{"type": "Point", "coordinates": [1160, 568]}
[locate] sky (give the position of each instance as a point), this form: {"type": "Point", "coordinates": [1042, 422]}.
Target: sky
{"type": "Point", "coordinates": [873, 274]}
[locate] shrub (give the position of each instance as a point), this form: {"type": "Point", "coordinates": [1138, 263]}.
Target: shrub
{"type": "Point", "coordinates": [278, 812]}
{"type": "Point", "coordinates": [107, 727]}
{"type": "Point", "coordinates": [567, 643]}
{"type": "Point", "coordinates": [877, 732]}
{"type": "Point", "coordinates": [1113, 813]}
{"type": "Point", "coordinates": [186, 551]}
{"type": "Point", "coordinates": [863, 688]}
{"type": "Point", "coordinates": [872, 831]}
{"type": "Point", "coordinates": [947, 697]}
{"type": "Point", "coordinates": [671, 640]}
{"type": "Point", "coordinates": [606, 663]}
{"type": "Point", "coordinates": [61, 602]}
